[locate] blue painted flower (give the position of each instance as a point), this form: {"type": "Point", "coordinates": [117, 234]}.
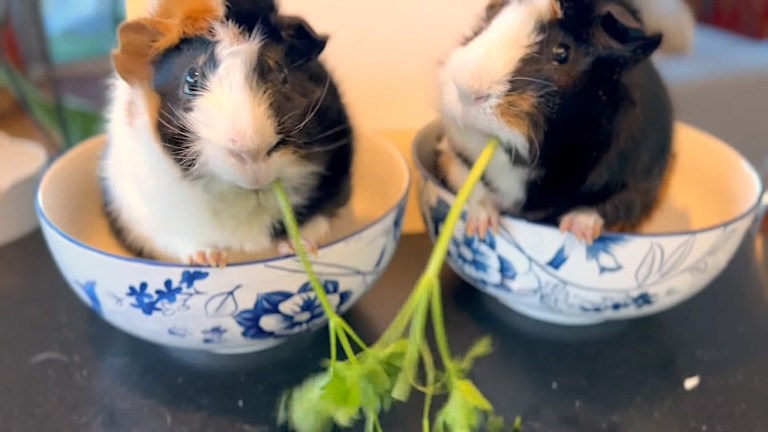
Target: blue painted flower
{"type": "Point", "coordinates": [140, 294]}
{"type": "Point", "coordinates": [282, 313]}
{"type": "Point", "coordinates": [190, 278]}
{"type": "Point", "coordinates": [600, 251]}
{"type": "Point", "coordinates": [169, 300]}
{"type": "Point", "coordinates": [213, 335]}
{"type": "Point", "coordinates": [479, 261]}
{"type": "Point", "coordinates": [169, 294]}
{"type": "Point", "coordinates": [643, 300]}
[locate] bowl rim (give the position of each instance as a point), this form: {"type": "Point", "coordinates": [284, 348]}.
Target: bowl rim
{"type": "Point", "coordinates": [101, 138]}
{"type": "Point", "coordinates": [761, 200]}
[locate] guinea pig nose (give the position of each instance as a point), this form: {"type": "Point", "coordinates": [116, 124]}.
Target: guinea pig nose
{"type": "Point", "coordinates": [239, 157]}
{"type": "Point", "coordinates": [481, 98]}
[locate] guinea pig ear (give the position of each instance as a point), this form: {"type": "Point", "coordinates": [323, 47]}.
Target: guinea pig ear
{"type": "Point", "coordinates": [139, 42]}
{"type": "Point", "coordinates": [627, 37]}
{"type": "Point", "coordinates": [302, 43]}
{"type": "Point", "coordinates": [194, 16]}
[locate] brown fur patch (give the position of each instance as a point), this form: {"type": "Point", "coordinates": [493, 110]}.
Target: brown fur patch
{"type": "Point", "coordinates": [519, 111]}
{"type": "Point", "coordinates": [141, 40]}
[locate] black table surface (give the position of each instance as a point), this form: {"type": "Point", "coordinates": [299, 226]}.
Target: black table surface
{"type": "Point", "coordinates": [63, 369]}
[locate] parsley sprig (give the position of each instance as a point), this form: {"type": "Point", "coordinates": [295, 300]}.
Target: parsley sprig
{"type": "Point", "coordinates": [372, 378]}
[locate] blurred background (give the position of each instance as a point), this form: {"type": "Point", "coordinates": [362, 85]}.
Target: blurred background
{"type": "Point", "coordinates": [55, 59]}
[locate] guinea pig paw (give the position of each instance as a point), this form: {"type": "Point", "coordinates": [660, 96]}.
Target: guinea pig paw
{"type": "Point", "coordinates": [480, 218]}
{"type": "Point", "coordinates": [209, 258]}
{"type": "Point", "coordinates": [585, 224]}
{"type": "Point", "coordinates": [285, 247]}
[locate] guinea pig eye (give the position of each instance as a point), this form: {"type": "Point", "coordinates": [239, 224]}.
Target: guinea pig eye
{"type": "Point", "coordinates": [191, 81]}
{"type": "Point", "coordinates": [561, 54]}
{"type": "Point", "coordinates": [272, 70]}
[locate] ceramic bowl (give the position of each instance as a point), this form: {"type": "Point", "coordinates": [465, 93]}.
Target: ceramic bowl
{"type": "Point", "coordinates": [247, 306]}
{"type": "Point", "coordinates": [713, 198]}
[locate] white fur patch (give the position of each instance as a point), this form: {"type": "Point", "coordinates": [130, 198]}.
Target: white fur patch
{"type": "Point", "coordinates": [233, 115]}
{"type": "Point", "coordinates": [474, 79]}
{"type": "Point", "coordinates": [483, 66]}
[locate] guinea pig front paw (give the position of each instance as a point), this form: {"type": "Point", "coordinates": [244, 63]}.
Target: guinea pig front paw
{"type": "Point", "coordinates": [285, 247]}
{"type": "Point", "coordinates": [585, 224]}
{"type": "Point", "coordinates": [209, 258]}
{"type": "Point", "coordinates": [481, 217]}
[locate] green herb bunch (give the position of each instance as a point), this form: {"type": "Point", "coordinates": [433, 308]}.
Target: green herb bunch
{"type": "Point", "coordinates": [373, 377]}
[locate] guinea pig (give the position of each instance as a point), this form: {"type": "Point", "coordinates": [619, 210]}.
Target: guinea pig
{"type": "Point", "coordinates": [584, 119]}
{"type": "Point", "coordinates": [210, 105]}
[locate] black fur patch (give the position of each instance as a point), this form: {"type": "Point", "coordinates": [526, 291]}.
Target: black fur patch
{"type": "Point", "coordinates": [171, 69]}
{"type": "Point", "coordinates": [607, 135]}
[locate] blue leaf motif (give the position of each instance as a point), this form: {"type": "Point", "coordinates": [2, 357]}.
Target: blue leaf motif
{"type": "Point", "coordinates": [678, 256]}
{"type": "Point", "coordinates": [608, 263]}
{"type": "Point", "coordinates": [560, 258]}
{"type": "Point", "coordinates": [89, 288]}
{"type": "Point", "coordinates": [507, 269]}
{"type": "Point", "coordinates": [650, 264]}
{"type": "Point", "coordinates": [222, 305]}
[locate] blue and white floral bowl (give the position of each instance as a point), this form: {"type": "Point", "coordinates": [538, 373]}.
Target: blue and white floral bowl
{"type": "Point", "coordinates": [244, 307]}
{"type": "Point", "coordinates": [712, 200]}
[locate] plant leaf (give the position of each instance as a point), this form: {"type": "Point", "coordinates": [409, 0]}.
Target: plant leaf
{"type": "Point", "coordinates": [481, 348]}
{"type": "Point", "coordinates": [472, 394]}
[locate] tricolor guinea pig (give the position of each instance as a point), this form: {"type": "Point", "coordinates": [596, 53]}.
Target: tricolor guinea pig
{"type": "Point", "coordinates": [584, 118]}
{"type": "Point", "coordinates": [211, 104]}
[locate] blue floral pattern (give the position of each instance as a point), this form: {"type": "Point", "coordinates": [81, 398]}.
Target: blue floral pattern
{"type": "Point", "coordinates": [500, 265]}
{"type": "Point", "coordinates": [478, 259]}
{"type": "Point", "coordinates": [283, 313]}
{"type": "Point", "coordinates": [171, 298]}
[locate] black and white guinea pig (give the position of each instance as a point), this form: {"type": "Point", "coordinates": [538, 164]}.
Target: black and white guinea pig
{"type": "Point", "coordinates": [210, 105]}
{"type": "Point", "coordinates": [584, 118]}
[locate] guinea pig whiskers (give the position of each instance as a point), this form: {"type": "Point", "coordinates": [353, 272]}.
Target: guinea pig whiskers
{"type": "Point", "coordinates": [339, 128]}
{"type": "Point", "coordinates": [173, 128]}
{"type": "Point", "coordinates": [315, 109]}
{"type": "Point", "coordinates": [327, 147]}
{"type": "Point", "coordinates": [538, 81]}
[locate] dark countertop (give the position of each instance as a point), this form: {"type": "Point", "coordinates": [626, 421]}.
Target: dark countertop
{"type": "Point", "coordinates": [62, 369]}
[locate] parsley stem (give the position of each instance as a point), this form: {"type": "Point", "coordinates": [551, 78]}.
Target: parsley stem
{"type": "Point", "coordinates": [405, 381]}
{"type": "Point", "coordinates": [334, 349]}
{"type": "Point", "coordinates": [441, 338]}
{"type": "Point", "coordinates": [397, 327]}
{"type": "Point", "coordinates": [440, 251]}
{"type": "Point", "coordinates": [344, 340]}
{"type": "Point", "coordinates": [292, 228]}
{"type": "Point", "coordinates": [429, 372]}
{"type": "Point", "coordinates": [351, 332]}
